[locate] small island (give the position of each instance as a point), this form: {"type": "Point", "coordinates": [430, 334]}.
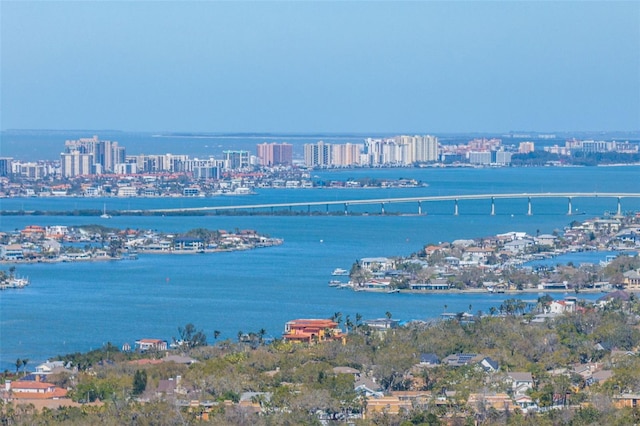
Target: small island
{"type": "Point", "coordinates": [96, 242]}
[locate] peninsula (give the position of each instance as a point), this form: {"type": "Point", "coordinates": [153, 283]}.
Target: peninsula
{"type": "Point", "coordinates": [60, 243]}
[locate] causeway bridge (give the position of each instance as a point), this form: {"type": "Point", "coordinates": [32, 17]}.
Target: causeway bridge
{"type": "Point", "coordinates": [418, 201]}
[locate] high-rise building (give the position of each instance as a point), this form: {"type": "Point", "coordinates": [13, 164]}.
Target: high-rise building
{"type": "Point", "coordinates": [526, 147]}
{"type": "Point", "coordinates": [275, 154]}
{"type": "Point", "coordinates": [236, 159]}
{"type": "Point", "coordinates": [5, 166]}
{"type": "Point", "coordinates": [106, 154]}
{"type": "Point", "coordinates": [76, 164]}
{"type": "Point", "coordinates": [317, 154]}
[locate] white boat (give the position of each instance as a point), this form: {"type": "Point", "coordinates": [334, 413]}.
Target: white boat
{"type": "Point", "coordinates": [104, 214]}
{"type": "Point", "coordinates": [339, 271]}
{"type": "Point", "coordinates": [15, 283]}
{"type": "Point", "coordinates": [334, 283]}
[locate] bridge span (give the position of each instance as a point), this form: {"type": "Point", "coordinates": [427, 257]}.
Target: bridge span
{"type": "Point", "coordinates": [569, 196]}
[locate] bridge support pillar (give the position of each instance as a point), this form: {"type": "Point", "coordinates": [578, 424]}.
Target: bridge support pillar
{"type": "Point", "coordinates": [570, 208]}
{"type": "Point", "coordinates": [309, 209]}
{"type": "Point", "coordinates": [346, 212]}
{"type": "Point", "coordinates": [619, 207]}
{"type": "Point", "coordinates": [419, 207]}
{"type": "Point", "coordinates": [455, 208]}
{"type": "Point", "coordinates": [529, 211]}
{"type": "Point", "coordinates": [327, 208]}
{"type": "Point", "coordinates": [382, 208]}
{"type": "Point", "coordinates": [493, 206]}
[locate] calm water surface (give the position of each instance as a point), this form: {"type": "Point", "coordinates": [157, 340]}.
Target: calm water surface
{"type": "Point", "coordinates": [79, 306]}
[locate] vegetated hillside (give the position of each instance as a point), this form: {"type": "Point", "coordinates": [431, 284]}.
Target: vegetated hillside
{"type": "Point", "coordinates": [294, 383]}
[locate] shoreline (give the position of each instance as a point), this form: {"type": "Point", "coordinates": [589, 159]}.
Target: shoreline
{"type": "Point", "coordinates": [483, 291]}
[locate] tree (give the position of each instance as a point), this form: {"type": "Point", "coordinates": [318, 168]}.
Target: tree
{"type": "Point", "coordinates": [216, 334]}
{"type": "Point", "coordinates": [190, 338]}
{"type": "Point", "coordinates": [139, 382]}
{"type": "Point", "coordinates": [18, 365]}
{"type": "Point", "coordinates": [25, 361]}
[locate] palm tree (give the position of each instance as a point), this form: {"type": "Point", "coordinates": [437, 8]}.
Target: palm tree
{"type": "Point", "coordinates": [445, 308]}
{"type": "Point", "coordinates": [18, 364]}
{"type": "Point", "coordinates": [348, 323]}
{"type": "Point", "coordinates": [216, 334]}
{"type": "Point", "coordinates": [388, 315]}
{"type": "Point", "coordinates": [25, 361]}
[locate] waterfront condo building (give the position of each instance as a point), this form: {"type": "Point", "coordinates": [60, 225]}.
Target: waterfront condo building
{"type": "Point", "coordinates": [275, 154]}
{"type": "Point", "coordinates": [234, 160]}
{"type": "Point", "coordinates": [317, 154]}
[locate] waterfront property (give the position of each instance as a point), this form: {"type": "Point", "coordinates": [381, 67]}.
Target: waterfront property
{"type": "Point", "coordinates": [151, 344]}
{"type": "Point", "coordinates": [312, 330]}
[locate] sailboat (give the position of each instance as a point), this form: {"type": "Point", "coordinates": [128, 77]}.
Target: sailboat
{"type": "Point", "coordinates": [104, 214]}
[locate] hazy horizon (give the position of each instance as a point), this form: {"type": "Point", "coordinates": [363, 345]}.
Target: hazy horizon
{"type": "Point", "coordinates": [287, 67]}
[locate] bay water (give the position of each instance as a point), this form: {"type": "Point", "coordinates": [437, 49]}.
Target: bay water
{"type": "Point", "coordinates": [80, 306]}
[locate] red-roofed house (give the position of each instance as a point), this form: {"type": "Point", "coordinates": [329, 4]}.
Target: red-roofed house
{"type": "Point", "coordinates": [311, 330]}
{"type": "Point", "coordinates": [35, 390]}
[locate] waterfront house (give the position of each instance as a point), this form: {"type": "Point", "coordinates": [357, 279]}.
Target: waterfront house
{"type": "Point", "coordinates": [312, 330]}
{"type": "Point", "coordinates": [11, 252]}
{"type": "Point", "coordinates": [188, 244]}
{"type": "Point", "coordinates": [546, 240]}
{"type": "Point", "coordinates": [382, 323]}
{"type": "Point", "coordinates": [433, 284]}
{"type": "Point", "coordinates": [33, 232]}
{"type": "Point", "coordinates": [518, 246]}
{"type": "Point", "coordinates": [379, 284]}
{"type": "Point", "coordinates": [375, 264]}
{"type": "Point", "coordinates": [49, 367]}
{"type": "Point", "coordinates": [151, 344]}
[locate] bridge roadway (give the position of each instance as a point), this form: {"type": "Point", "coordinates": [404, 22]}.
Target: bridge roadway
{"type": "Point", "coordinates": [419, 200]}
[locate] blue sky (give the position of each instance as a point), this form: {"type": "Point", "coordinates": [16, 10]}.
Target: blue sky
{"type": "Point", "coordinates": [320, 66]}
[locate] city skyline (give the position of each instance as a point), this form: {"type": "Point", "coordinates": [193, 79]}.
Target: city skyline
{"type": "Point", "coordinates": [398, 67]}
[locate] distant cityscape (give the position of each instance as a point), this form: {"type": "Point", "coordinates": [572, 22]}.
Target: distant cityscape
{"type": "Point", "coordinates": [95, 167]}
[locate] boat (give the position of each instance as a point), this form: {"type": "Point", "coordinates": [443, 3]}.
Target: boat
{"type": "Point", "coordinates": [15, 283]}
{"type": "Point", "coordinates": [334, 283]}
{"type": "Point", "coordinates": [104, 214]}
{"type": "Point", "coordinates": [339, 271]}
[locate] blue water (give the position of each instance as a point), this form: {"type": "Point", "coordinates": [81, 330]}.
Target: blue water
{"type": "Point", "coordinates": [79, 306]}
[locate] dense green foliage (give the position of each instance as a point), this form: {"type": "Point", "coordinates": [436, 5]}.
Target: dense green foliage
{"type": "Point", "coordinates": [294, 382]}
